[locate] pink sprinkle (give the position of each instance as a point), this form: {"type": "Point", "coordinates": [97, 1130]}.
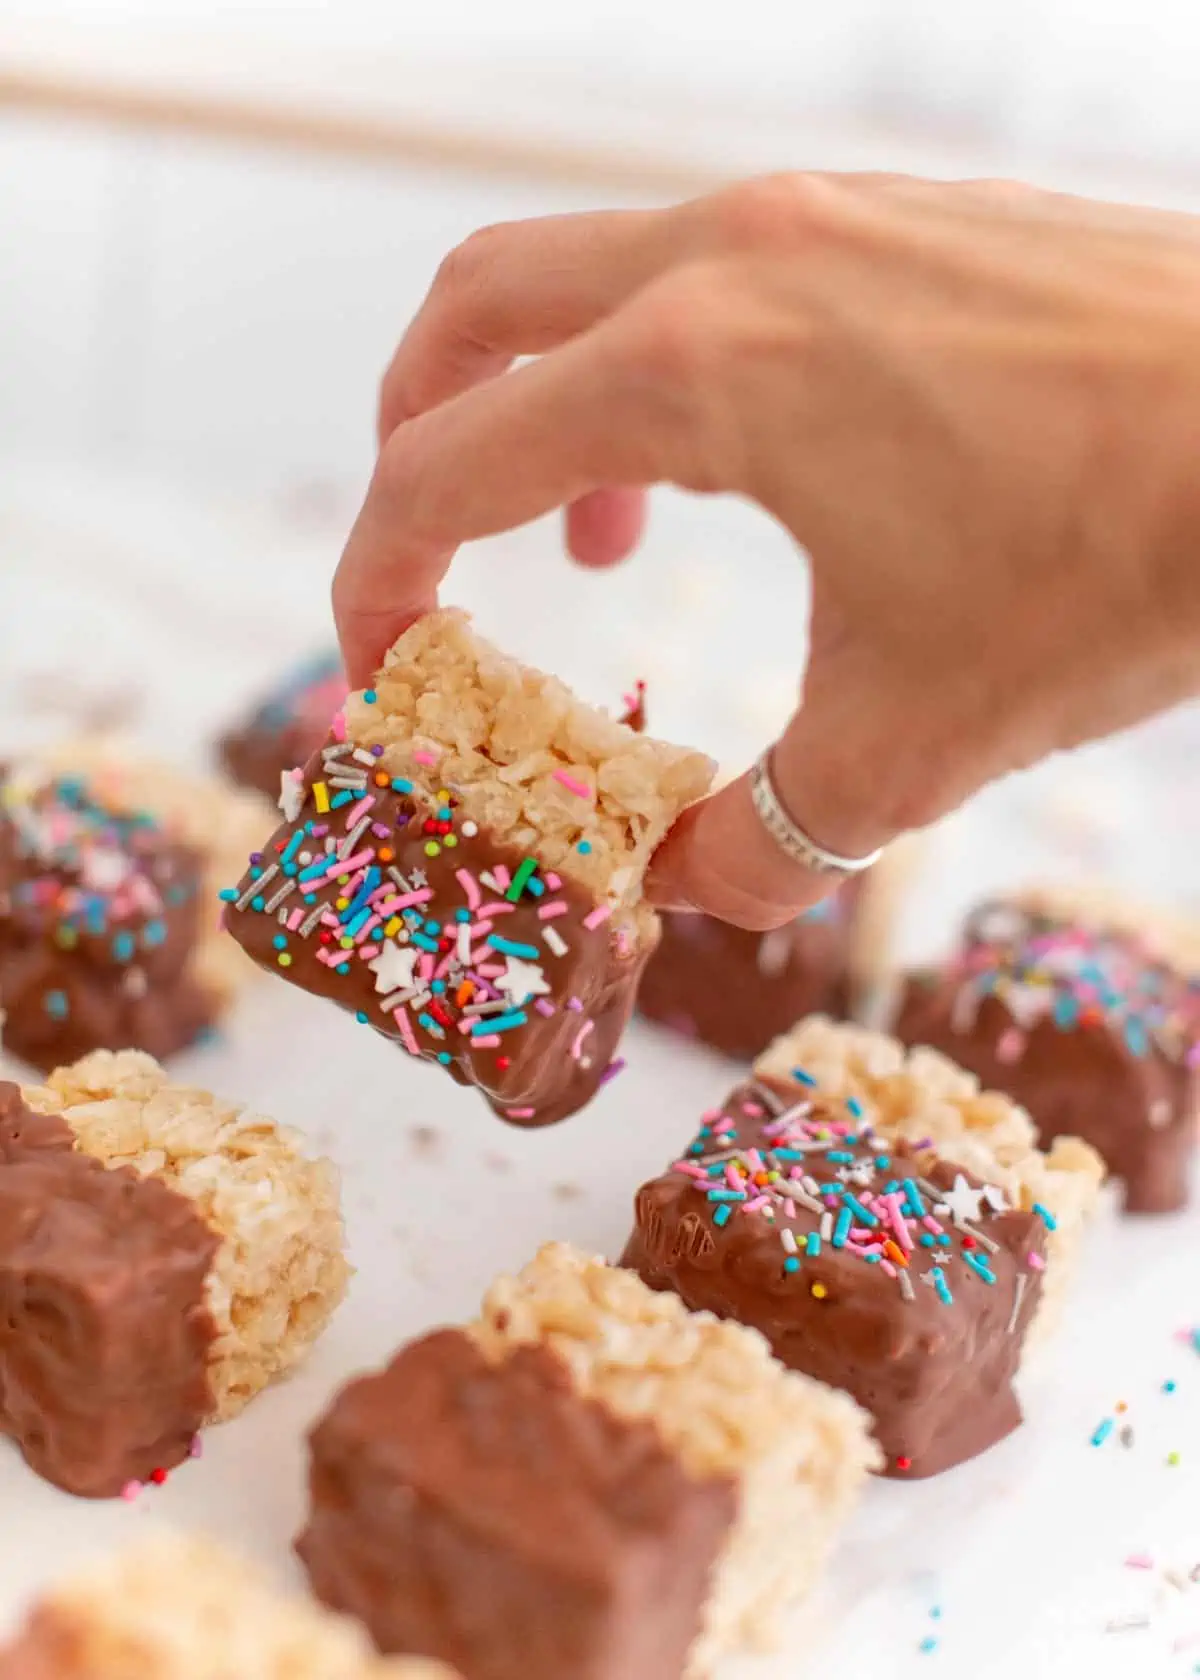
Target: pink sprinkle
{"type": "Point", "coordinates": [756, 1160]}
{"type": "Point", "coordinates": [470, 886]}
{"type": "Point", "coordinates": [577, 1046]}
{"type": "Point", "coordinates": [754, 1206]}
{"type": "Point", "coordinates": [424, 758]}
{"type": "Point", "coordinates": [446, 964]}
{"type": "Point", "coordinates": [367, 929]}
{"type": "Point", "coordinates": [574, 1003]}
{"type": "Point", "coordinates": [553, 881]}
{"type": "Point", "coordinates": [359, 810]}
{"type": "Point", "coordinates": [196, 1450]}
{"type": "Point", "coordinates": [338, 725]}
{"type": "Point", "coordinates": [407, 900]}
{"type": "Point", "coordinates": [581, 789]}
{"type": "Point", "coordinates": [1010, 1045]}
{"type": "Point", "coordinates": [1036, 1262]}
{"type": "Point", "coordinates": [400, 1016]}
{"type": "Point", "coordinates": [425, 965]}
{"type": "Point", "coordinates": [595, 917]}
{"type": "Point", "coordinates": [543, 1006]}
{"type": "Point", "coordinates": [379, 830]}
{"type": "Point", "coordinates": [1139, 1560]}
{"type": "Point", "coordinates": [886, 1267]}
{"type": "Point", "coordinates": [752, 1110]}
{"type": "Point", "coordinates": [343, 866]}
{"type": "Point", "coordinates": [367, 952]}
{"type": "Point", "coordinates": [130, 1492]}
{"type": "Point", "coordinates": [931, 1224]}
{"type": "Point", "coordinates": [487, 1041]}
{"type": "Point", "coordinates": [734, 1179]}
{"type": "Point", "coordinates": [501, 877]}
{"type": "Point", "coordinates": [497, 907]}
{"type": "Point", "coordinates": [557, 907]}
{"type": "Point", "coordinates": [294, 920]}
{"type": "Point", "coordinates": [521, 1113]}
{"type": "Point", "coordinates": [690, 1168]}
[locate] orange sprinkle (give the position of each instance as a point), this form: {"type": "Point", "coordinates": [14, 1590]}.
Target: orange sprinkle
{"type": "Point", "coordinates": [464, 993]}
{"type": "Point", "coordinates": [1121, 1406]}
{"type": "Point", "coordinates": [386, 854]}
{"type": "Point", "coordinates": [895, 1253]}
{"type": "Point", "coordinates": [382, 778]}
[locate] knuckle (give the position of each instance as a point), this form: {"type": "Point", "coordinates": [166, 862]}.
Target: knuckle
{"type": "Point", "coordinates": [461, 269]}
{"type": "Point", "coordinates": [775, 210]}
{"type": "Point", "coordinates": [674, 328]}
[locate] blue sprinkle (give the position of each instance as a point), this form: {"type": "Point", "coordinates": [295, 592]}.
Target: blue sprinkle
{"type": "Point", "coordinates": [855, 1107]}
{"type": "Point", "coordinates": [862, 1214]}
{"type": "Point", "coordinates": [726, 1195]}
{"type": "Point", "coordinates": [791, 1264]}
{"type": "Point", "coordinates": [462, 915]}
{"type": "Point", "coordinates": [943, 1241]}
{"type": "Point", "coordinates": [721, 1217]}
{"type": "Point", "coordinates": [360, 921]}
{"type": "Point", "coordinates": [1136, 1037]}
{"type": "Point", "coordinates": [882, 1162]}
{"type": "Point", "coordinates": [280, 942]}
{"type": "Point", "coordinates": [123, 945]}
{"type": "Point", "coordinates": [1066, 1010]}
{"type": "Point", "coordinates": [444, 1057]}
{"type": "Point", "coordinates": [370, 696]}
{"type": "Point", "coordinates": [812, 1246]}
{"type": "Point", "coordinates": [500, 1023]}
{"type": "Point", "coordinates": [154, 933]}
{"type": "Point", "coordinates": [255, 872]}
{"type": "Point", "coordinates": [914, 1198]}
{"type": "Point", "coordinates": [229, 895]}
{"type": "Point", "coordinates": [433, 927]}
{"type": "Point", "coordinates": [929, 1643]}
{"type": "Point", "coordinates": [511, 948]}
{"type": "Point", "coordinates": [342, 968]}
{"type": "Point", "coordinates": [345, 797]}
{"type": "Point", "coordinates": [803, 1078]}
{"type": "Point", "coordinates": [360, 1015]}
{"type": "Point", "coordinates": [1168, 1388]}
{"type": "Point", "coordinates": [839, 1155]}
{"type": "Point", "coordinates": [291, 869]}
{"type": "Point", "coordinates": [871, 1259]}
{"type": "Point", "coordinates": [438, 987]}
{"type": "Point", "coordinates": [57, 1006]}
{"type": "Point", "coordinates": [536, 887]}
{"type": "Point", "coordinates": [842, 1229]}
{"type": "Point", "coordinates": [926, 1240]}
{"type": "Point", "coordinates": [980, 1267]}
{"type": "Point", "coordinates": [401, 785]}
{"type": "Point", "coordinates": [1102, 1431]}
{"type": "Point", "coordinates": [1046, 1217]}
{"type": "Point", "coordinates": [584, 846]}
{"type": "Point", "coordinates": [258, 902]}
{"type": "Point", "coordinates": [425, 944]}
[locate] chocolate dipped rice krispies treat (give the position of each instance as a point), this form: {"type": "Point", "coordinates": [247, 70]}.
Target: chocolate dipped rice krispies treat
{"type": "Point", "coordinates": [588, 1481]}
{"type": "Point", "coordinates": [889, 1228]}
{"type": "Point", "coordinates": [287, 725]}
{"type": "Point", "coordinates": [461, 865]}
{"type": "Point", "coordinates": [163, 1256]}
{"type": "Point", "coordinates": [1085, 1008]}
{"type": "Point", "coordinates": [180, 1608]}
{"type": "Point", "coordinates": [109, 869]}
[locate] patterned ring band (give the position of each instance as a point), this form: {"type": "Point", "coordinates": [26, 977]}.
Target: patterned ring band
{"type": "Point", "coordinates": [790, 837]}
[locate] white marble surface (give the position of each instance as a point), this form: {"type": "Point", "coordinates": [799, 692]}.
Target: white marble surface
{"type": "Point", "coordinates": [119, 595]}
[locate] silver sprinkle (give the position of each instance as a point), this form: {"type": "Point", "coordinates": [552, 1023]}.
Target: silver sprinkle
{"type": "Point", "coordinates": [555, 941]}
{"type": "Point", "coordinates": [277, 898]}
{"type": "Point", "coordinates": [765, 1096]}
{"type": "Point", "coordinates": [1127, 1624]}
{"type": "Point", "coordinates": [826, 1226]}
{"type": "Point", "coordinates": [394, 1000]}
{"type": "Point", "coordinates": [398, 878]}
{"type": "Point", "coordinates": [364, 757]}
{"type": "Point", "coordinates": [355, 835]}
{"type": "Point", "coordinates": [330, 755]}
{"type": "Point", "coordinates": [310, 921]}
{"type": "Point", "coordinates": [255, 887]}
{"type": "Point", "coordinates": [356, 784]}
{"type": "Point", "coordinates": [906, 1288]}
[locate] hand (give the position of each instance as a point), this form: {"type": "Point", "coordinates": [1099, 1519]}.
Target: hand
{"type": "Point", "coordinates": [976, 405]}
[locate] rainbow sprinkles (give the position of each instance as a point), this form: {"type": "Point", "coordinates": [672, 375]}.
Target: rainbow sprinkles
{"type": "Point", "coordinates": [491, 927]}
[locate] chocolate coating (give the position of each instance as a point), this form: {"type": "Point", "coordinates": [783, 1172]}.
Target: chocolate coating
{"type": "Point", "coordinates": [99, 919]}
{"type": "Point", "coordinates": [736, 990]}
{"type": "Point", "coordinates": [935, 1373]}
{"type": "Point", "coordinates": [1096, 1046]}
{"type": "Point", "coordinates": [286, 727]}
{"type": "Point", "coordinates": [557, 1044]}
{"type": "Point", "coordinates": [492, 1518]}
{"type": "Point", "coordinates": [104, 1334]}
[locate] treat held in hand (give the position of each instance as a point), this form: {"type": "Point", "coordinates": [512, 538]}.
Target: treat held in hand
{"type": "Point", "coordinates": [888, 1228]}
{"type": "Point", "coordinates": [587, 1480]}
{"type": "Point", "coordinates": [460, 865]}
{"type": "Point", "coordinates": [287, 726]}
{"type": "Point", "coordinates": [163, 1256]}
{"type": "Point", "coordinates": [1086, 1010]}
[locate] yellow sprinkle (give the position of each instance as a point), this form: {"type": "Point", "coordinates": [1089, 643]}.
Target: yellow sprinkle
{"type": "Point", "coordinates": [820, 1291]}
{"type": "Point", "coordinates": [393, 927]}
{"type": "Point", "coordinates": [346, 943]}
{"type": "Point", "coordinates": [284, 960]}
{"type": "Point", "coordinates": [432, 848]}
{"type": "Point", "coordinates": [341, 903]}
{"type": "Point", "coordinates": [321, 795]}
{"type": "Point", "coordinates": [443, 796]}
{"type": "Point", "coordinates": [450, 840]}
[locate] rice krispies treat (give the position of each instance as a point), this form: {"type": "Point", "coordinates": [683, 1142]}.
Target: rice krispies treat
{"type": "Point", "coordinates": [180, 1608]}
{"type": "Point", "coordinates": [208, 813]}
{"type": "Point", "coordinates": [630, 1490]}
{"type": "Point", "coordinates": [185, 1251]}
{"type": "Point", "coordinates": [910, 1095]}
{"type": "Point", "coordinates": [461, 866]}
{"type": "Point", "coordinates": [1085, 1008]}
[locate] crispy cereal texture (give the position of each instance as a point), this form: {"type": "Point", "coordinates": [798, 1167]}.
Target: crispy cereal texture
{"type": "Point", "coordinates": [222, 822]}
{"type": "Point", "coordinates": [527, 759]}
{"type": "Point", "coordinates": [178, 1608]}
{"type": "Point", "coordinates": [1171, 937]}
{"type": "Point", "coordinates": [799, 1452]}
{"type": "Point", "coordinates": [280, 1271]}
{"type": "Point", "coordinates": [917, 1094]}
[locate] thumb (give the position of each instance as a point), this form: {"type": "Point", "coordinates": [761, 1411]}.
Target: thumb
{"type": "Point", "coordinates": [849, 771]}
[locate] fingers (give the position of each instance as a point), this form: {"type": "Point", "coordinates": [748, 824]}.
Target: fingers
{"type": "Point", "coordinates": [494, 458]}
{"type": "Point", "coordinates": [519, 289]}
{"type": "Point", "coordinates": [852, 769]}
{"type": "Point", "coordinates": [605, 527]}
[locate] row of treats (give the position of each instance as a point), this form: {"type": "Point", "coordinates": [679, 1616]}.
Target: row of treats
{"type": "Point", "coordinates": [615, 1470]}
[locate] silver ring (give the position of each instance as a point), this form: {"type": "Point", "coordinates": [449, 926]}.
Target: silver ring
{"type": "Point", "coordinates": [790, 837]}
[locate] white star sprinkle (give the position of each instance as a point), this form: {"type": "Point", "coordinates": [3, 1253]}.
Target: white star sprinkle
{"type": "Point", "coordinates": [291, 794]}
{"type": "Point", "coordinates": [995, 1198]}
{"type": "Point", "coordinates": [522, 981]}
{"type": "Point", "coordinates": [393, 968]}
{"type": "Point", "coordinates": [962, 1202]}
